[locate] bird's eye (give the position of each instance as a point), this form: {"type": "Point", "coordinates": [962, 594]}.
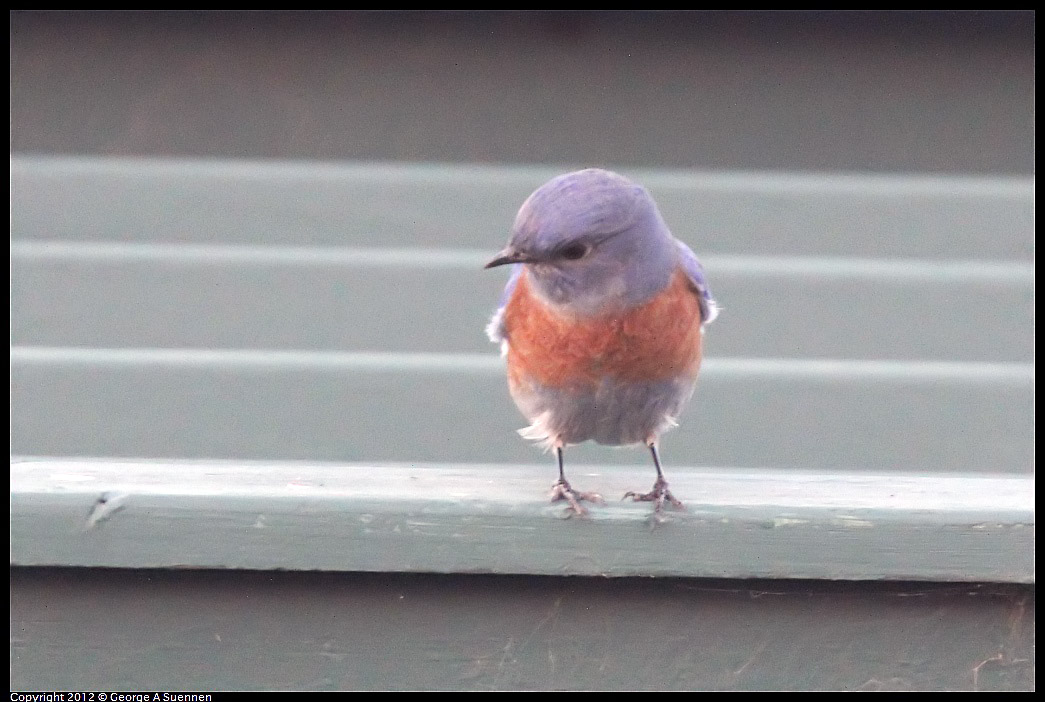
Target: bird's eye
{"type": "Point", "coordinates": [575, 251]}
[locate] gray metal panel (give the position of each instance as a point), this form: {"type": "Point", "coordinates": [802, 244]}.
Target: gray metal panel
{"type": "Point", "coordinates": [201, 630]}
{"type": "Point", "coordinates": [126, 277]}
{"type": "Point", "coordinates": [210, 404]}
{"type": "Point", "coordinates": [363, 299]}
{"type": "Point", "coordinates": [472, 206]}
{"type": "Point", "coordinates": [497, 519]}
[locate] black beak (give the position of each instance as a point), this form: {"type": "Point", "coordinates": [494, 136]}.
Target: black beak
{"type": "Point", "coordinates": [508, 256]}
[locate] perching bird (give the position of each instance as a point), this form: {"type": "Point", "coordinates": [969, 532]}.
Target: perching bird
{"type": "Point", "coordinates": [601, 321]}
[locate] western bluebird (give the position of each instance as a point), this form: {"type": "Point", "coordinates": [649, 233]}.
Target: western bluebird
{"type": "Point", "coordinates": [601, 321]}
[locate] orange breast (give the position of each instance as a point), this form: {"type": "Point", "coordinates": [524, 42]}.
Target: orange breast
{"type": "Point", "coordinates": [660, 339]}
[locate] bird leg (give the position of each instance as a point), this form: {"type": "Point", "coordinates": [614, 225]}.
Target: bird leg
{"type": "Point", "coordinates": [562, 490]}
{"type": "Point", "coordinates": [660, 493]}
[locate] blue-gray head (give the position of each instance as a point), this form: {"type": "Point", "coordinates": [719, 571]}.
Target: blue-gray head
{"type": "Point", "coordinates": [593, 242]}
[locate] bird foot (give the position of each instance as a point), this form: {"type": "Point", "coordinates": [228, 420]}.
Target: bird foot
{"type": "Point", "coordinates": [562, 491]}
{"type": "Point", "coordinates": [658, 496]}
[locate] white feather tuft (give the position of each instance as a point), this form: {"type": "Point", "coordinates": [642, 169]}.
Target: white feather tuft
{"type": "Point", "coordinates": [667, 423]}
{"type": "Point", "coordinates": [540, 432]}
{"type": "Point", "coordinates": [495, 329]}
{"type": "Point", "coordinates": [712, 312]}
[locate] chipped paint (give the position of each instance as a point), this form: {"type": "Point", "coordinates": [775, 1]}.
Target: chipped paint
{"type": "Point", "coordinates": [853, 522]}
{"type": "Point", "coordinates": [106, 506]}
{"type": "Point", "coordinates": [787, 521]}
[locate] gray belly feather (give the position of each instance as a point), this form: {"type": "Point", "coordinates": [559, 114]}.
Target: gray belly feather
{"type": "Point", "coordinates": [613, 413]}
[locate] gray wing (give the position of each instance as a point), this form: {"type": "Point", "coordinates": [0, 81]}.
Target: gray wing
{"type": "Point", "coordinates": [691, 265]}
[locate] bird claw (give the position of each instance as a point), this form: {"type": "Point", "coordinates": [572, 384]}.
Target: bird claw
{"type": "Point", "coordinates": [658, 495]}
{"type": "Point", "coordinates": [562, 490]}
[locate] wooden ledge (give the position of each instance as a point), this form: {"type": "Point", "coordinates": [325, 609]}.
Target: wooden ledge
{"type": "Point", "coordinates": [740, 523]}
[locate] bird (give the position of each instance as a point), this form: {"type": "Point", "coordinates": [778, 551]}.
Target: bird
{"type": "Point", "coordinates": [601, 322]}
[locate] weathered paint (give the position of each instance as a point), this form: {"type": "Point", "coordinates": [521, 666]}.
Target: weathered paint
{"type": "Point", "coordinates": [497, 519]}
{"type": "Point", "coordinates": [191, 630]}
